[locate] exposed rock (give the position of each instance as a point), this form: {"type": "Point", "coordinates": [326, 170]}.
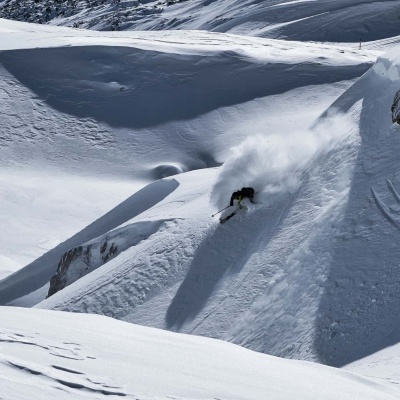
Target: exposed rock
{"type": "Point", "coordinates": [104, 247]}
{"type": "Point", "coordinates": [82, 260]}
{"type": "Point", "coordinates": [58, 281]}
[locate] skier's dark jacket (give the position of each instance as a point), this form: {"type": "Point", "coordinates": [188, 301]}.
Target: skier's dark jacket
{"type": "Point", "coordinates": [241, 194]}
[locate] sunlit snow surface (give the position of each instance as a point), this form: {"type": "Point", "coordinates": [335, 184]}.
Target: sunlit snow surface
{"type": "Point", "coordinates": [94, 116]}
{"type": "Point", "coordinates": [47, 355]}
{"type": "Point", "coordinates": [309, 271]}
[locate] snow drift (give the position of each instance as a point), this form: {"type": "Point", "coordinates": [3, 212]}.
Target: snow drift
{"type": "Point", "coordinates": [38, 273]}
{"type": "Point", "coordinates": [311, 271]}
{"type": "Point", "coordinates": [116, 153]}
{"type": "Point", "coordinates": [311, 276]}
{"type": "Point", "coordinates": [45, 353]}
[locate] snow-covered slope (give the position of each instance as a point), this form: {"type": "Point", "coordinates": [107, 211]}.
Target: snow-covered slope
{"type": "Point", "coordinates": [310, 272]}
{"type": "Point", "coordinates": [272, 279]}
{"type": "Point", "coordinates": [44, 354]}
{"type": "Point", "coordinates": [322, 20]}
{"type": "Point", "coordinates": [92, 117]}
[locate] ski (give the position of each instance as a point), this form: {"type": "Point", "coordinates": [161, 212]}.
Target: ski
{"type": "Point", "coordinates": [222, 220]}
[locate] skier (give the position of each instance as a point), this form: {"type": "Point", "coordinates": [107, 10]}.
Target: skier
{"type": "Point", "coordinates": [246, 192]}
{"type": "Point", "coordinates": [241, 194]}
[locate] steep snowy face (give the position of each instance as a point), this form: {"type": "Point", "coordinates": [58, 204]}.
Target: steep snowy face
{"type": "Point", "coordinates": [357, 313]}
{"type": "Point", "coordinates": [311, 274]}
{"type": "Point", "coordinates": [81, 260]}
{"type": "Point", "coordinates": [276, 164]}
{"type": "Point", "coordinates": [89, 117]}
{"type": "Point", "coordinates": [247, 281]}
{"type": "Point", "coordinates": [323, 20]}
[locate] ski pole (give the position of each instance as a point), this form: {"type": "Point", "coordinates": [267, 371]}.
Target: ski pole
{"type": "Point", "coordinates": [220, 211]}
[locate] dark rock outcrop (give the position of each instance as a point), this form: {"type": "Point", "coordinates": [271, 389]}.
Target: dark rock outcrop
{"type": "Point", "coordinates": [78, 262]}
{"type": "Point", "coordinates": [58, 281]}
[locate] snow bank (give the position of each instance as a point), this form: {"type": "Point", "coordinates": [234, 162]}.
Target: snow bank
{"type": "Point", "coordinates": [274, 165]}
{"type": "Point", "coordinates": [67, 355]}
{"type": "Point", "coordinates": [39, 272]}
{"type": "Point", "coordinates": [389, 65]}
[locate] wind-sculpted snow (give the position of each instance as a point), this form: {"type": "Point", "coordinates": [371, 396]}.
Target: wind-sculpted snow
{"type": "Point", "coordinates": [132, 88]}
{"type": "Point", "coordinates": [38, 273]}
{"type": "Point", "coordinates": [154, 265]}
{"type": "Point", "coordinates": [48, 355]}
{"type": "Point", "coordinates": [274, 165]}
{"type": "Point", "coordinates": [89, 256]}
{"type": "Point", "coordinates": [323, 20]}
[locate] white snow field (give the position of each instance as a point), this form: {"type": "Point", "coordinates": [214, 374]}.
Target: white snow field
{"type": "Point", "coordinates": [305, 20]}
{"type": "Point", "coordinates": [133, 122]}
{"type": "Point", "coordinates": [45, 356]}
{"type": "Point", "coordinates": [382, 366]}
{"type": "Point", "coordinates": [116, 148]}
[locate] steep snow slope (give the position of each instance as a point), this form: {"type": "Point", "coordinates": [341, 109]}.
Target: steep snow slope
{"type": "Point", "coordinates": [88, 123]}
{"type": "Point", "coordinates": [41, 270]}
{"type": "Point", "coordinates": [45, 353]}
{"type": "Point", "coordinates": [310, 272]}
{"type": "Point", "coordinates": [295, 274]}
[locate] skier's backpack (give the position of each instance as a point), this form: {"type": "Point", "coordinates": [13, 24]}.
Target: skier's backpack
{"type": "Point", "coordinates": [247, 192]}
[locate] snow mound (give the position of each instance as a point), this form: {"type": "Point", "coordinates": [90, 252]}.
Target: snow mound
{"type": "Point", "coordinates": [165, 170]}
{"type": "Point", "coordinates": [45, 353]}
{"type": "Point", "coordinates": [312, 276]}
{"type": "Point", "coordinates": [135, 107]}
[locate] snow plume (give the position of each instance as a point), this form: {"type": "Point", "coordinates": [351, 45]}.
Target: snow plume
{"type": "Point", "coordinates": [274, 165]}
